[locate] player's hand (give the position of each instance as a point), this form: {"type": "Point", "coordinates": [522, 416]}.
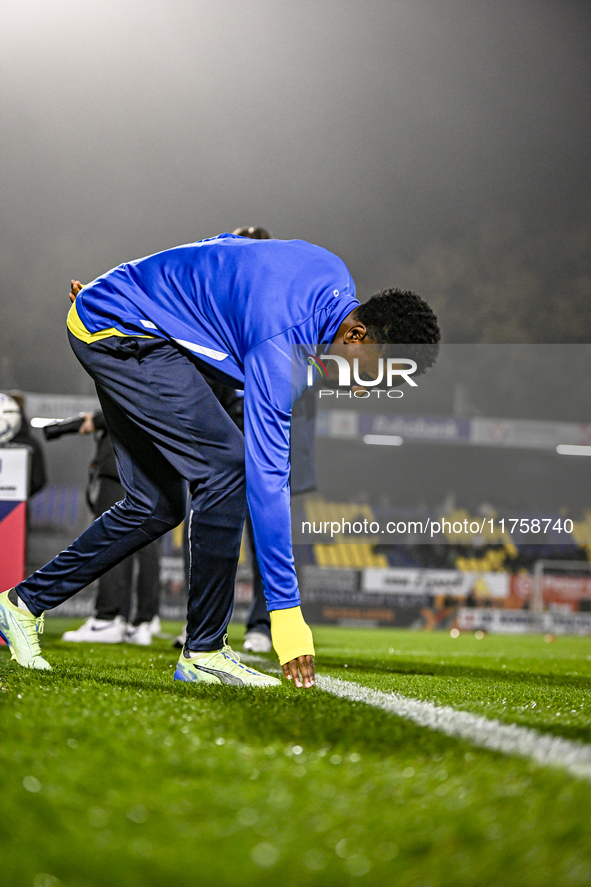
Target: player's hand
{"type": "Point", "coordinates": [300, 671]}
{"type": "Point", "coordinates": [87, 426]}
{"type": "Point", "coordinates": [75, 287]}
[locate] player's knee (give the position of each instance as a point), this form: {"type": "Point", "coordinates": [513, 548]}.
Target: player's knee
{"type": "Point", "coordinates": [156, 515]}
{"type": "Point", "coordinates": [171, 509]}
{"type": "Point", "coordinates": [133, 509]}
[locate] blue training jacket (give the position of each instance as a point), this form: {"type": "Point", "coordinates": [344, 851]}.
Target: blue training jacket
{"type": "Point", "coordinates": [239, 305]}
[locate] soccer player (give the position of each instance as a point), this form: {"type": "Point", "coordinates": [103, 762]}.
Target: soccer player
{"type": "Point", "coordinates": [146, 331]}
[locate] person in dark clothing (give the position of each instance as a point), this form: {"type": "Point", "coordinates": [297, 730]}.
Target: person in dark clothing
{"type": "Point", "coordinates": [24, 437]}
{"type": "Point", "coordinates": [302, 480]}
{"type": "Point", "coordinates": [37, 469]}
{"type": "Point", "coordinates": [258, 621]}
{"type": "Point", "coordinates": [111, 622]}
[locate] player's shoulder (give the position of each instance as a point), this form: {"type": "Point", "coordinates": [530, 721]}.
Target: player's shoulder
{"type": "Point", "coordinates": [226, 240]}
{"type": "Point", "coordinates": [311, 259]}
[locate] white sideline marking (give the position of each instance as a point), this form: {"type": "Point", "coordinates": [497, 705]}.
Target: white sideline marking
{"type": "Point", "coordinates": [510, 739]}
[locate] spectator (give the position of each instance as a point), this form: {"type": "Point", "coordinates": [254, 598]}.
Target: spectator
{"type": "Point", "coordinates": [25, 437]}
{"type": "Point", "coordinates": [111, 622]}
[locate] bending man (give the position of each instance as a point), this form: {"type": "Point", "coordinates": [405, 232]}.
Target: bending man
{"type": "Point", "coordinates": [232, 308]}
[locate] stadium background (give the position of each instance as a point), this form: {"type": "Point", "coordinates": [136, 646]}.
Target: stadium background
{"type": "Point", "coordinates": [452, 462]}
{"type": "Point", "coordinates": [438, 146]}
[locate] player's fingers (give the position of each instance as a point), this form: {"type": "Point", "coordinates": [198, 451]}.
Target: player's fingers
{"type": "Point", "coordinates": [306, 664]}
{"type": "Point", "coordinates": [286, 671]}
{"type": "Point", "coordinates": [294, 672]}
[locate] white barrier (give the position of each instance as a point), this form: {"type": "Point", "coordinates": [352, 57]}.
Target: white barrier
{"type": "Point", "coordinates": [498, 621]}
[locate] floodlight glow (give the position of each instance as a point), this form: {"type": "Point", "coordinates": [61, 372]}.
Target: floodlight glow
{"type": "Point", "coordinates": [40, 422]}
{"type": "Point", "coordinates": [573, 450]}
{"type": "Point", "coordinates": [384, 440]}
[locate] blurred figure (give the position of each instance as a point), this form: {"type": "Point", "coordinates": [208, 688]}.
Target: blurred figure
{"type": "Point", "coordinates": [303, 480]}
{"type": "Point", "coordinates": [258, 623]}
{"type": "Point", "coordinates": [255, 232]}
{"type": "Point", "coordinates": [25, 437]}
{"type": "Point", "coordinates": [110, 624]}
{"type": "Point", "coordinates": [37, 469]}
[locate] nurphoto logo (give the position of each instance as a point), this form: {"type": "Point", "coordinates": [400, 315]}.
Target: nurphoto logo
{"type": "Point", "coordinates": [391, 371]}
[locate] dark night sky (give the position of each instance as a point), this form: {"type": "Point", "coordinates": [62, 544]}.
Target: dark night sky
{"type": "Point", "coordinates": [441, 145]}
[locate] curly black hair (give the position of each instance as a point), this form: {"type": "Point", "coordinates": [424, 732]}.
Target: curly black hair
{"type": "Point", "coordinates": [400, 317]}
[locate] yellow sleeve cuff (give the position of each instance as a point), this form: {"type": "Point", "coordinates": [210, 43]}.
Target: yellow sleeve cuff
{"type": "Point", "coordinates": [291, 635]}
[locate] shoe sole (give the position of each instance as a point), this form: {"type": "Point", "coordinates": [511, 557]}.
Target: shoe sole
{"type": "Point", "coordinates": [182, 676]}
{"type": "Point", "coordinates": [219, 678]}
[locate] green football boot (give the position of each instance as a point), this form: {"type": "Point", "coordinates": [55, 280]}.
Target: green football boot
{"type": "Point", "coordinates": [21, 630]}
{"type": "Point", "coordinates": [221, 667]}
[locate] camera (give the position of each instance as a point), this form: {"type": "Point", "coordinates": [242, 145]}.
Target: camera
{"type": "Point", "coordinates": [63, 426]}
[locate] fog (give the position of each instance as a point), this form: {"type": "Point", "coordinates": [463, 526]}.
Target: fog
{"type": "Point", "coordinates": [442, 146]}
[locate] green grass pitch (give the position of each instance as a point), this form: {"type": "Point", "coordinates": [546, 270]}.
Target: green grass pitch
{"type": "Point", "coordinates": [111, 774]}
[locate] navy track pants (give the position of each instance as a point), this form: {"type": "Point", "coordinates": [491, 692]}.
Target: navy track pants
{"type": "Point", "coordinates": [168, 429]}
